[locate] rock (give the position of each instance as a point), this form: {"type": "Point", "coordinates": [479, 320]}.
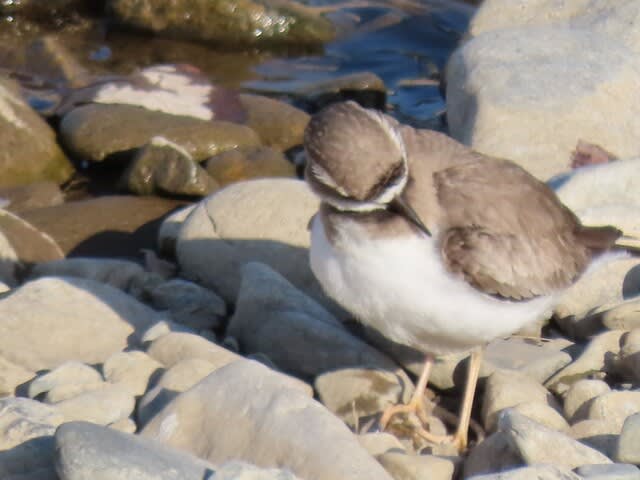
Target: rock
{"type": "Point", "coordinates": [416, 467]}
{"type": "Point", "coordinates": [164, 167]}
{"type": "Point", "coordinates": [616, 471]}
{"type": "Point", "coordinates": [614, 407]}
{"type": "Point", "coordinates": [543, 414]}
{"type": "Point", "coordinates": [93, 132]}
{"type": "Point", "coordinates": [352, 393]}
{"type": "Point", "coordinates": [366, 88]}
{"type": "Point", "coordinates": [48, 321]}
{"type": "Point", "coordinates": [29, 149]}
{"type": "Point", "coordinates": [34, 195]}
{"type": "Point", "coordinates": [258, 220]}
{"type": "Point", "coordinates": [111, 226]}
{"type": "Point", "coordinates": [629, 362]}
{"type": "Point", "coordinates": [536, 443]}
{"type": "Point", "coordinates": [9, 265]}
{"type": "Point", "coordinates": [298, 334]}
{"type": "Point", "coordinates": [629, 440]}
{"type": "Point", "coordinates": [120, 274]}
{"type": "Point", "coordinates": [35, 10]}
{"type": "Point", "coordinates": [624, 316]}
{"type": "Point", "coordinates": [579, 397]}
{"type": "Point", "coordinates": [537, 472]}
{"type": "Point", "coordinates": [623, 216]}
{"type": "Point", "coordinates": [377, 443]}
{"type": "Point", "coordinates": [22, 419]}
{"type": "Point", "coordinates": [599, 16]}
{"type": "Point", "coordinates": [494, 454]}
{"type": "Point", "coordinates": [85, 450]}
{"type": "Point", "coordinates": [70, 372]}
{"type": "Point", "coordinates": [595, 358]}
{"type": "Point", "coordinates": [12, 376]}
{"type": "Point", "coordinates": [279, 125]}
{"type": "Point", "coordinates": [170, 229]}
{"type": "Point", "coordinates": [243, 164]}
{"type": "Point", "coordinates": [174, 347]}
{"type": "Point", "coordinates": [133, 371]}
{"type": "Point", "coordinates": [104, 406]}
{"type": "Point", "coordinates": [175, 380]}
{"type": "Point", "coordinates": [607, 283]}
{"type": "Point", "coordinates": [598, 434]}
{"type": "Point", "coordinates": [231, 23]}
{"type": "Point", "coordinates": [520, 112]}
{"type": "Point", "coordinates": [189, 304]}
{"type": "Point", "coordinates": [30, 244]}
{"type": "Point", "coordinates": [600, 186]}
{"type": "Point", "coordinates": [504, 389]}
{"type": "Point", "coordinates": [263, 420]}
{"type": "Point", "coordinates": [162, 328]}
{"type": "Point", "coordinates": [66, 391]}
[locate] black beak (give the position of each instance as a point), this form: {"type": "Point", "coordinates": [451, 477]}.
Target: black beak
{"type": "Point", "coordinates": [401, 207]}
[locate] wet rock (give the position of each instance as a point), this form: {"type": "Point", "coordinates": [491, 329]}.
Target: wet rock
{"type": "Point", "coordinates": [104, 406]}
{"type": "Point", "coordinates": [279, 125]}
{"type": "Point", "coordinates": [133, 371]}
{"type": "Point", "coordinates": [494, 454]}
{"type": "Point", "coordinates": [111, 226]}
{"type": "Point", "coordinates": [536, 443]}
{"type": "Point", "coordinates": [38, 10]}
{"type": "Point", "coordinates": [231, 23]}
{"type": "Point", "coordinates": [614, 407]}
{"type": "Point", "coordinates": [417, 467]}
{"type": "Point", "coordinates": [29, 149]}
{"type": "Point", "coordinates": [169, 230]}
{"type": "Point", "coordinates": [504, 389]}
{"type": "Point", "coordinates": [377, 443]}
{"type": "Point", "coordinates": [616, 471]}
{"type": "Point", "coordinates": [189, 304]}
{"type": "Point", "coordinates": [520, 112]}
{"type": "Point", "coordinates": [51, 320]}
{"type": "Point", "coordinates": [596, 358]}
{"type": "Point", "coordinates": [162, 166]}
{"type": "Point", "coordinates": [243, 164]}
{"type": "Point", "coordinates": [353, 393]}
{"type": "Point", "coordinates": [607, 185]}
{"type": "Point", "coordinates": [34, 195]}
{"type": "Point", "coordinates": [29, 243]}
{"type": "Point", "coordinates": [175, 380]}
{"type": "Point", "coordinates": [366, 88]}
{"type": "Point", "coordinates": [247, 412]}
{"type": "Point", "coordinates": [579, 397]}
{"type": "Point", "coordinates": [12, 376]}
{"type": "Point", "coordinates": [537, 472]}
{"type": "Point", "coordinates": [607, 284]}
{"type": "Point", "coordinates": [70, 372]}
{"type": "Point", "coordinates": [93, 132]}
{"type": "Point", "coordinates": [598, 434]}
{"type": "Point", "coordinates": [299, 335]}
{"type": "Point", "coordinates": [85, 450]}
{"type": "Point", "coordinates": [258, 220]}
{"type": "Point", "coordinates": [174, 347]}
{"type": "Point", "coordinates": [628, 451]}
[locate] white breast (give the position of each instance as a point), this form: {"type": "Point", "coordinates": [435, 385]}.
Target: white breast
{"type": "Point", "coordinates": [400, 287]}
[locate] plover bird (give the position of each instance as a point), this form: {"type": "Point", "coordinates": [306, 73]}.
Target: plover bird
{"type": "Point", "coordinates": [434, 245]}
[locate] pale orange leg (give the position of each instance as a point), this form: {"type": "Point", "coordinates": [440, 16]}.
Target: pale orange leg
{"type": "Point", "coordinates": [460, 439]}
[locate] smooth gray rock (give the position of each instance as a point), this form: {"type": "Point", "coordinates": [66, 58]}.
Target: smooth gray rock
{"type": "Point", "coordinates": [538, 472]}
{"type": "Point", "coordinates": [246, 411]}
{"type": "Point", "coordinates": [629, 441]}
{"type": "Point", "coordinates": [616, 471]}
{"type": "Point", "coordinates": [274, 318]}
{"type": "Point", "coordinates": [598, 434]}
{"type": "Point", "coordinates": [104, 406]}
{"type": "Point", "coordinates": [494, 454]}
{"type": "Point", "coordinates": [615, 407]}
{"type": "Point", "coordinates": [133, 371]}
{"type": "Point", "coordinates": [417, 467]}
{"type": "Point", "coordinates": [70, 372]}
{"type": "Point", "coordinates": [579, 396]}
{"type": "Point", "coordinates": [174, 347]}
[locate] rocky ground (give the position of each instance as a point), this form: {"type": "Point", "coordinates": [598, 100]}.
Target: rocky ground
{"type": "Point", "coordinates": [175, 330]}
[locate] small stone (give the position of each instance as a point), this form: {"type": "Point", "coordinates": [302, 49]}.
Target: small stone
{"type": "Point", "coordinates": [353, 393]}
{"type": "Point", "coordinates": [162, 166]}
{"type": "Point", "coordinates": [126, 425]}
{"type": "Point", "coordinates": [170, 229]}
{"type": "Point", "coordinates": [504, 389]}
{"type": "Point", "coordinates": [493, 454]}
{"type": "Point", "coordinates": [132, 370]}
{"type": "Point", "coordinates": [377, 443]}
{"type": "Point", "coordinates": [416, 467]}
{"type": "Point", "coordinates": [30, 243]}
{"type": "Point", "coordinates": [74, 373]}
{"type": "Point", "coordinates": [536, 443]}
{"type": "Point", "coordinates": [629, 362]}
{"type": "Point", "coordinates": [595, 359]}
{"type": "Point", "coordinates": [615, 407]}
{"type": "Point", "coordinates": [173, 347]}
{"type": "Point", "coordinates": [629, 441]}
{"type": "Point", "coordinates": [537, 472]}
{"type": "Point", "coordinates": [9, 264]}
{"type": "Point", "coordinates": [189, 304]}
{"type": "Point", "coordinates": [250, 413]}
{"type": "Point", "coordinates": [242, 164]}
{"type": "Point", "coordinates": [616, 471]}
{"type": "Point", "coordinates": [298, 334]}
{"type": "Point", "coordinates": [12, 376]}
{"type": "Point", "coordinates": [579, 397]}
{"type": "Point", "coordinates": [598, 434]}
{"type": "Point", "coordinates": [543, 414]}
{"type": "Point", "coordinates": [64, 391]}
{"type": "Point", "coordinates": [22, 419]}
{"type": "Point", "coordinates": [104, 406]}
